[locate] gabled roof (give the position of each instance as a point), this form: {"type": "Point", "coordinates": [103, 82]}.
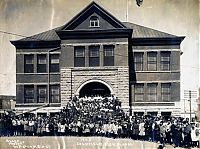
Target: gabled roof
{"type": "Point", "coordinates": [138, 30]}
{"type": "Point", "coordinates": [86, 12]}
{"type": "Point", "coordinates": [145, 32]}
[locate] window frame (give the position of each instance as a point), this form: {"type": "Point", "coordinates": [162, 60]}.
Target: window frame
{"type": "Point", "coordinates": [152, 62]}
{"type": "Point", "coordinates": [108, 58]}
{"type": "Point", "coordinates": [29, 98]}
{"type": "Point", "coordinates": [57, 95]}
{"type": "Point", "coordinates": [28, 67]}
{"type": "Point", "coordinates": [166, 61]}
{"type": "Point", "coordinates": [151, 94]}
{"type": "Point", "coordinates": [79, 60]}
{"type": "Point", "coordinates": [139, 94]}
{"type": "Point", "coordinates": [41, 67]}
{"type": "Point", "coordinates": [139, 63]}
{"type": "Point", "coordinates": [39, 95]}
{"type": "Point", "coordinates": [166, 93]}
{"type": "Point", "coordinates": [94, 60]}
{"type": "Point", "coordinates": [94, 22]}
{"type": "Point", "coordinates": [54, 66]}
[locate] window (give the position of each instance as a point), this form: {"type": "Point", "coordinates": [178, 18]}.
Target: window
{"type": "Point", "coordinates": [55, 93]}
{"type": "Point", "coordinates": [29, 94]}
{"type": "Point", "coordinates": [152, 92]}
{"type": "Point", "coordinates": [79, 56]}
{"type": "Point", "coordinates": [138, 61]}
{"type": "Point", "coordinates": [28, 63]}
{"type": "Point", "coordinates": [94, 21]}
{"type": "Point", "coordinates": [152, 61]}
{"type": "Point", "coordinates": [165, 91]}
{"type": "Point", "coordinates": [41, 94]}
{"type": "Point", "coordinates": [165, 61]}
{"type": "Point", "coordinates": [93, 56]}
{"type": "Point", "coordinates": [139, 92]}
{"type": "Point", "coordinates": [41, 63]}
{"type": "Point", "coordinates": [54, 63]}
{"type": "Point", "coordinates": [109, 55]}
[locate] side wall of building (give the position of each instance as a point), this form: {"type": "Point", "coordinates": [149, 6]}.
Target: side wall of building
{"type": "Point", "coordinates": [157, 77]}
{"type": "Point", "coordinates": [34, 78]}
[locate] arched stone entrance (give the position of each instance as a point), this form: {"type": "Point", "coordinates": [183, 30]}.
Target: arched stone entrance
{"type": "Point", "coordinates": [94, 87]}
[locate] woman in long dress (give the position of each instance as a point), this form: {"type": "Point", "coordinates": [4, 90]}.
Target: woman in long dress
{"type": "Point", "coordinates": [31, 124]}
{"type": "Point", "coordinates": [195, 136]}
{"type": "Point", "coordinates": [141, 130]}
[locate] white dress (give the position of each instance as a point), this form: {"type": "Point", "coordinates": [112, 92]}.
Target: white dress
{"type": "Point", "coordinates": [141, 129]}
{"type": "Point", "coordinates": [194, 136]}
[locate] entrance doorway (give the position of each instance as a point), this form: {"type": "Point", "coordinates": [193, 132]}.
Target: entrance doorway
{"type": "Point", "coordinates": [94, 89]}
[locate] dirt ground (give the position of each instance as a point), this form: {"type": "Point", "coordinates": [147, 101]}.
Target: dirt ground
{"type": "Point", "coordinates": [64, 142]}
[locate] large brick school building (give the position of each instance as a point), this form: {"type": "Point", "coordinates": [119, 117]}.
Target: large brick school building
{"type": "Point", "coordinates": [96, 54]}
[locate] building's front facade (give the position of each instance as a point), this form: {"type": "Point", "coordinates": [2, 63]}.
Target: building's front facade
{"type": "Point", "coordinates": [96, 54]}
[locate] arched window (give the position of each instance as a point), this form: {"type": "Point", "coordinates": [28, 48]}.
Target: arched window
{"type": "Point", "coordinates": [94, 21]}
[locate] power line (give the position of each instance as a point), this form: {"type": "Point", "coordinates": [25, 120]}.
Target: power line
{"type": "Point", "coordinates": [15, 34]}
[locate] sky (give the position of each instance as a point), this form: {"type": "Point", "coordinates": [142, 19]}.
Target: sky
{"type": "Point", "coordinates": [29, 17]}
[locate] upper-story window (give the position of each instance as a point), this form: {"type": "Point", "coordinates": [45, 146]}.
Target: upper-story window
{"type": "Point", "coordinates": [108, 55]}
{"type": "Point", "coordinates": [79, 56]}
{"type": "Point", "coordinates": [54, 63]}
{"type": "Point", "coordinates": [152, 61]}
{"type": "Point", "coordinates": [41, 63]}
{"type": "Point", "coordinates": [93, 56]}
{"type": "Point", "coordinates": [165, 61]}
{"type": "Point", "coordinates": [94, 21]}
{"type": "Point", "coordinates": [138, 61]}
{"type": "Point", "coordinates": [28, 63]}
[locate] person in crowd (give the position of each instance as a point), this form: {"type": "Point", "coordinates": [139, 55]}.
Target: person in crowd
{"type": "Point", "coordinates": [162, 133]}
{"type": "Point", "coordinates": [195, 136]}
{"type": "Point", "coordinates": [39, 127]}
{"type": "Point", "coordinates": [156, 132]}
{"type": "Point", "coordinates": [168, 132]}
{"type": "Point", "coordinates": [135, 129]}
{"type": "Point", "coordinates": [26, 127]}
{"type": "Point", "coordinates": [14, 127]}
{"type": "Point", "coordinates": [102, 116]}
{"type": "Point", "coordinates": [141, 130]}
{"type": "Point", "coordinates": [31, 125]}
{"type": "Point", "coordinates": [47, 131]}
{"type": "Point", "coordinates": [1, 126]}
{"type": "Point", "coordinates": [148, 130]}
{"type": "Point", "coordinates": [186, 134]}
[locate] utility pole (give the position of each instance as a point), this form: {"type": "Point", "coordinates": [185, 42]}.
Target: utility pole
{"type": "Point", "coordinates": [190, 105]}
{"type": "Point", "coordinates": [190, 95]}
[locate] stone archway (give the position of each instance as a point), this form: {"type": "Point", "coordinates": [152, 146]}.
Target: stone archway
{"type": "Point", "coordinates": [94, 87]}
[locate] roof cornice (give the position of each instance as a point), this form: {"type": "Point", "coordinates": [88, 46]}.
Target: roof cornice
{"type": "Point", "coordinates": [156, 41]}
{"type": "Point", "coordinates": [36, 44]}
{"type": "Point", "coordinates": [94, 34]}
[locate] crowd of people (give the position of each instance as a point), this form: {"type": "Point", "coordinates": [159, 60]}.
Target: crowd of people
{"type": "Point", "coordinates": [102, 116]}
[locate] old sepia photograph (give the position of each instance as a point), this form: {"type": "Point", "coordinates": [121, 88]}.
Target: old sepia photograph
{"type": "Point", "coordinates": [99, 74]}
